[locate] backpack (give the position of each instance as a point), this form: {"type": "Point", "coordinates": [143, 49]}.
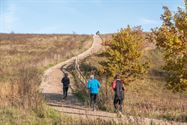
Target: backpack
{"type": "Point", "coordinates": [119, 90]}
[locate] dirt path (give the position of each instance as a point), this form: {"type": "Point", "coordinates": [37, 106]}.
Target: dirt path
{"type": "Point", "coordinates": [52, 89]}
{"type": "Point", "coordinates": [51, 83]}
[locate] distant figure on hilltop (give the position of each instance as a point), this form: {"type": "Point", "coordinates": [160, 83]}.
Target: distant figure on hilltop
{"type": "Point", "coordinates": [119, 88]}
{"type": "Point", "coordinates": [93, 86]}
{"type": "Point", "coordinates": [97, 33]}
{"type": "Point", "coordinates": [66, 83]}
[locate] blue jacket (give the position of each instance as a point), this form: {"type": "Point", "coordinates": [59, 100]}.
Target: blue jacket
{"type": "Point", "coordinates": [93, 86]}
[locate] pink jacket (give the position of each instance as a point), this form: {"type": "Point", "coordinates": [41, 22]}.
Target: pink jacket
{"type": "Point", "coordinates": [114, 85]}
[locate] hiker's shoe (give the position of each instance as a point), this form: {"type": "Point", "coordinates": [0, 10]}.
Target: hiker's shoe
{"type": "Point", "coordinates": [115, 111]}
{"type": "Point", "coordinates": [64, 97]}
{"type": "Point", "coordinates": [119, 114]}
{"type": "Point", "coordinates": [94, 109]}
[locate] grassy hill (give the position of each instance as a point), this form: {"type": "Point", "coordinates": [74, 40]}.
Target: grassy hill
{"type": "Point", "coordinates": [21, 53]}
{"type": "Point", "coordinates": [41, 51]}
{"type": "Point", "coordinates": [24, 57]}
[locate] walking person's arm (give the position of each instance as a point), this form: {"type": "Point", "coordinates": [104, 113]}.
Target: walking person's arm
{"type": "Point", "coordinates": [88, 84]}
{"type": "Point", "coordinates": [113, 85]}
{"type": "Point", "coordinates": [62, 82]}
{"type": "Point", "coordinates": [123, 84]}
{"type": "Point", "coordinates": [98, 84]}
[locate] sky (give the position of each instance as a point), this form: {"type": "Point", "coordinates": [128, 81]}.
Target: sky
{"type": "Point", "coordinates": [81, 16]}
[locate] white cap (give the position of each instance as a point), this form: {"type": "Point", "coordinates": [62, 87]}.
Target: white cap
{"type": "Point", "coordinates": [92, 76]}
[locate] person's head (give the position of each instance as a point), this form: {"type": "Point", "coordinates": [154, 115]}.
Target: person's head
{"type": "Point", "coordinates": [118, 76]}
{"type": "Point", "coordinates": [91, 76]}
{"type": "Point", "coordinates": [66, 75]}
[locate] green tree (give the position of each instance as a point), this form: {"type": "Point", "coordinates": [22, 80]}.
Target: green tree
{"type": "Point", "coordinates": [171, 37]}
{"type": "Point", "coordinates": [123, 54]}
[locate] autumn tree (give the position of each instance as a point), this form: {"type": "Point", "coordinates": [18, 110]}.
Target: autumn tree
{"type": "Point", "coordinates": [171, 38]}
{"type": "Point", "coordinates": [124, 54]}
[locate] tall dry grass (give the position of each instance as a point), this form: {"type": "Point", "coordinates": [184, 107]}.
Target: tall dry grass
{"type": "Point", "coordinates": [23, 59]}
{"type": "Point", "coordinates": [23, 92]}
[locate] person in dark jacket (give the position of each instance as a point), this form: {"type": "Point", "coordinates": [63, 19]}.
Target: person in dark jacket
{"type": "Point", "coordinates": [119, 88]}
{"type": "Point", "coordinates": [66, 83]}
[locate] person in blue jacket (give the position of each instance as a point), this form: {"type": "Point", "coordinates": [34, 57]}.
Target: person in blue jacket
{"type": "Point", "coordinates": [93, 86]}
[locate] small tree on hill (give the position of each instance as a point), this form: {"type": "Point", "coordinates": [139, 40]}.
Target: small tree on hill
{"type": "Point", "coordinates": [124, 52]}
{"type": "Point", "coordinates": [171, 37]}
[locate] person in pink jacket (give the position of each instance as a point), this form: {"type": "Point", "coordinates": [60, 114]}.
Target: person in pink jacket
{"type": "Point", "coordinates": [118, 87]}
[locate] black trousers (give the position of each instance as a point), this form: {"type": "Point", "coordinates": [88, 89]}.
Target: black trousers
{"type": "Point", "coordinates": [65, 92]}
{"type": "Point", "coordinates": [93, 98]}
{"type": "Point", "coordinates": [118, 101]}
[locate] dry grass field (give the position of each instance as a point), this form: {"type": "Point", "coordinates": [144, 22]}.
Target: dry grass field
{"type": "Point", "coordinates": [24, 57]}
{"type": "Point", "coordinates": [40, 51]}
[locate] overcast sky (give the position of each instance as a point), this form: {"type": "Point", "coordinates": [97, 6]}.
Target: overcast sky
{"type": "Point", "coordinates": [80, 16]}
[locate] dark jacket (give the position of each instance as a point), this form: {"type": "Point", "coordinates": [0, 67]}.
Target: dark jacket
{"type": "Point", "coordinates": [65, 81]}
{"type": "Point", "coordinates": [118, 87]}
